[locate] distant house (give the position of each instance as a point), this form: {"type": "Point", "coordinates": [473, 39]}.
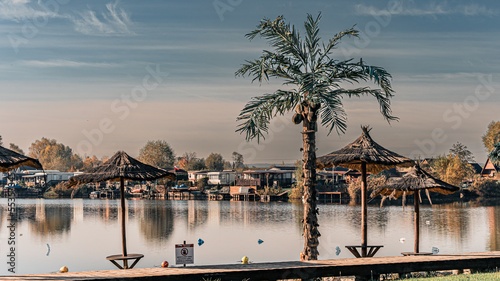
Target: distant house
{"type": "Point", "coordinates": [477, 168]}
{"type": "Point", "coordinates": [37, 178]}
{"type": "Point", "coordinates": [427, 161]}
{"type": "Point", "coordinates": [490, 169]}
{"type": "Point", "coordinates": [334, 174]}
{"type": "Point", "coordinates": [194, 176]}
{"type": "Point", "coordinates": [180, 174]}
{"type": "Point", "coordinates": [226, 177]}
{"type": "Point", "coordinates": [261, 178]}
{"type": "Point", "coordinates": [284, 168]}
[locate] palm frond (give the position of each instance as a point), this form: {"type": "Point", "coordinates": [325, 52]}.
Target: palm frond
{"type": "Point", "coordinates": [327, 49]}
{"type": "Point", "coordinates": [270, 65]}
{"type": "Point", "coordinates": [281, 36]}
{"type": "Point", "coordinates": [332, 113]}
{"type": "Point", "coordinates": [312, 39]}
{"type": "Point", "coordinates": [383, 99]}
{"type": "Point", "coordinates": [257, 113]}
{"type": "Point", "coordinates": [380, 76]}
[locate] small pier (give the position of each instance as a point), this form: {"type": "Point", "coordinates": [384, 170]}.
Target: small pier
{"type": "Point", "coordinates": [245, 197]}
{"type": "Point", "coordinates": [330, 197]}
{"type": "Point", "coordinates": [363, 268]}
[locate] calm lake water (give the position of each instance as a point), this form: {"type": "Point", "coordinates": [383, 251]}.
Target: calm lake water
{"type": "Point", "coordinates": [81, 233]}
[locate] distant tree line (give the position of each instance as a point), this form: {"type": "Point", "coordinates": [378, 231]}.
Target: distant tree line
{"type": "Point", "coordinates": [453, 167]}
{"type": "Point", "coordinates": [158, 153]}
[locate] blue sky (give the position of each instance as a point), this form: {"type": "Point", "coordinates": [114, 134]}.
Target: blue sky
{"type": "Point", "coordinates": [102, 76]}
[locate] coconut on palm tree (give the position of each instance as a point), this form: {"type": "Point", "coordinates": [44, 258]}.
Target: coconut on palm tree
{"type": "Point", "coordinates": [314, 81]}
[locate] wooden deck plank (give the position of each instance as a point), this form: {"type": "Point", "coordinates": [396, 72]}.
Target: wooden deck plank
{"type": "Point", "coordinates": [286, 270]}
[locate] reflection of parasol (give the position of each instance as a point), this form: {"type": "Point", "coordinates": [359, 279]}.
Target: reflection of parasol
{"type": "Point", "coordinates": [412, 183]}
{"type": "Point", "coordinates": [9, 160]}
{"type": "Point", "coordinates": [121, 167]}
{"type": "Point", "coordinates": [364, 155]}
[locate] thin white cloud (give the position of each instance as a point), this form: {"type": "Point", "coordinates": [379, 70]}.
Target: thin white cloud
{"type": "Point", "coordinates": [21, 10]}
{"type": "Point", "coordinates": [112, 21]}
{"type": "Point", "coordinates": [410, 8]}
{"type": "Point", "coordinates": [64, 63]}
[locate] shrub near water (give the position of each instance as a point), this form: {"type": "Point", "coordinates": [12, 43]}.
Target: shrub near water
{"type": "Point", "coordinates": [354, 188]}
{"type": "Point", "coordinates": [58, 191]}
{"type": "Point", "coordinates": [485, 187]}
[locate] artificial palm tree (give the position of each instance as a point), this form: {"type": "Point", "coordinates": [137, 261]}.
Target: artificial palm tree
{"type": "Point", "coordinates": [307, 67]}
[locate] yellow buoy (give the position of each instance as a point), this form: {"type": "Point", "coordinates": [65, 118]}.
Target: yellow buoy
{"type": "Point", "coordinates": [244, 260]}
{"type": "Point", "coordinates": [63, 269]}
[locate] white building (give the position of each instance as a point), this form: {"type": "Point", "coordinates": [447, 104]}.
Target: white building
{"type": "Point", "coordinates": [194, 176]}
{"type": "Point", "coordinates": [51, 177]}
{"type": "Point", "coordinates": [226, 177]}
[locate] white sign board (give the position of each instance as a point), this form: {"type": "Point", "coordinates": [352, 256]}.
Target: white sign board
{"type": "Point", "coordinates": [184, 253]}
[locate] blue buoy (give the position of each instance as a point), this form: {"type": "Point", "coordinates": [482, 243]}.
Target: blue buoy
{"type": "Point", "coordinates": [338, 250]}
{"type": "Point", "coordinates": [200, 242]}
{"type": "Point", "coordinates": [260, 241]}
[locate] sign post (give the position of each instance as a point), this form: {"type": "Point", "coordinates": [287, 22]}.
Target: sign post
{"type": "Point", "coordinates": [184, 253]}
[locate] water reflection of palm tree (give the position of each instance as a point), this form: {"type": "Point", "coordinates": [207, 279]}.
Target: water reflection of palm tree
{"type": "Point", "coordinates": [494, 226]}
{"type": "Point", "coordinates": [197, 213]}
{"type": "Point", "coordinates": [157, 222]}
{"type": "Point", "coordinates": [106, 211]}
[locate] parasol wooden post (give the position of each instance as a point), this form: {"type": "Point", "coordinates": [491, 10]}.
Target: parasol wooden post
{"type": "Point", "coordinates": [416, 197]}
{"type": "Point", "coordinates": [364, 212]}
{"type": "Point", "coordinates": [124, 239]}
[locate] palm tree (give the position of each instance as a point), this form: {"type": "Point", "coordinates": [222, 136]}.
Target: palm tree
{"type": "Point", "coordinates": [307, 66]}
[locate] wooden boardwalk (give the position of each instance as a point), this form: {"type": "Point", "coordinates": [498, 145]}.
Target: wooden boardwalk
{"type": "Point", "coordinates": [287, 270]}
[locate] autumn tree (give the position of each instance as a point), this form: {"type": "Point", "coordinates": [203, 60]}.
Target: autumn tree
{"type": "Point", "coordinates": [461, 151]}
{"type": "Point", "coordinates": [238, 160]}
{"type": "Point", "coordinates": [91, 162]}
{"type": "Point", "coordinates": [55, 156]}
{"type": "Point", "coordinates": [16, 148]}
{"type": "Point", "coordinates": [157, 153]}
{"type": "Point", "coordinates": [454, 168]}
{"type": "Point", "coordinates": [215, 162]}
{"type": "Point", "coordinates": [492, 135]}
{"type": "Point", "coordinates": [185, 159]}
{"type": "Point", "coordinates": [197, 164]}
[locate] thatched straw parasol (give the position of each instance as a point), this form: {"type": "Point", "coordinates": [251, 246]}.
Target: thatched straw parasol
{"type": "Point", "coordinates": [9, 160]}
{"type": "Point", "coordinates": [364, 155]}
{"type": "Point", "coordinates": [121, 167]}
{"type": "Point", "coordinates": [412, 183]}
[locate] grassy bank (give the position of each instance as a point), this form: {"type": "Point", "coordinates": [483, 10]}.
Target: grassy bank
{"type": "Point", "coordinates": [461, 277]}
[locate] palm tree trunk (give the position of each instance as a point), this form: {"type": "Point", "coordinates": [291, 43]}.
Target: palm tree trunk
{"type": "Point", "coordinates": [310, 220]}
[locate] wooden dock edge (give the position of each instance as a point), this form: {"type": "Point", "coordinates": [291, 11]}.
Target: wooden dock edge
{"type": "Point", "coordinates": [363, 267]}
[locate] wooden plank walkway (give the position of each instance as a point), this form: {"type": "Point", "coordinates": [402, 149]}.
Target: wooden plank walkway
{"type": "Point", "coordinates": [286, 270]}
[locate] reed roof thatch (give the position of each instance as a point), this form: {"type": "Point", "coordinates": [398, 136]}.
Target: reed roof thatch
{"type": "Point", "coordinates": [120, 166]}
{"type": "Point", "coordinates": [364, 149]}
{"type": "Point", "coordinates": [415, 180]}
{"type": "Point", "coordinates": [9, 160]}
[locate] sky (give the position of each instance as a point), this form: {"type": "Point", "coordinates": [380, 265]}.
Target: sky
{"type": "Point", "coordinates": [102, 76]}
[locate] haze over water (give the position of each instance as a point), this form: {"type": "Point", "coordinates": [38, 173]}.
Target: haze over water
{"type": "Point", "coordinates": [81, 233]}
